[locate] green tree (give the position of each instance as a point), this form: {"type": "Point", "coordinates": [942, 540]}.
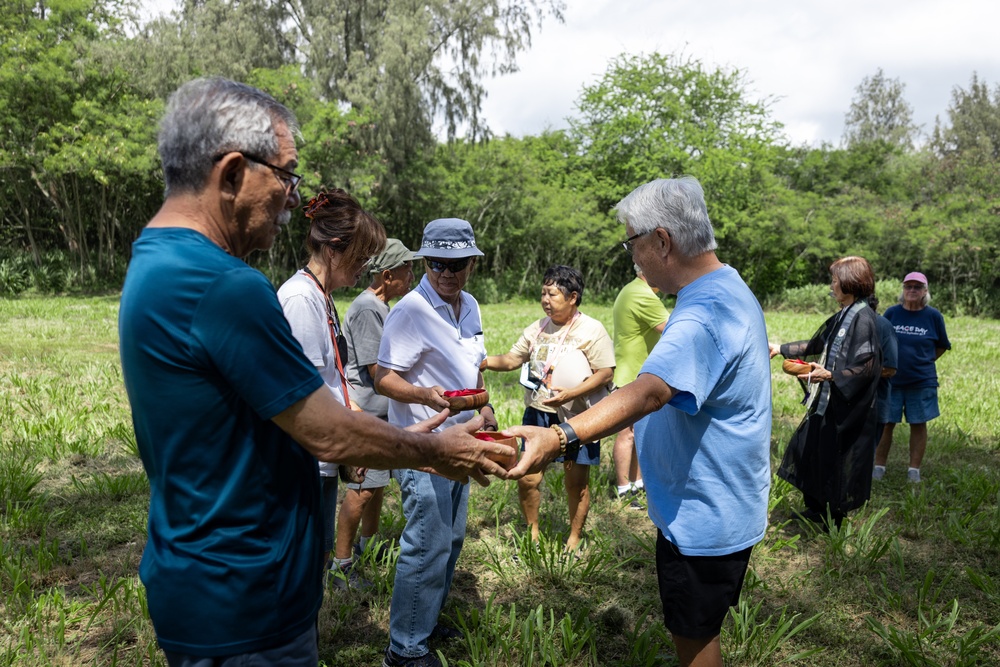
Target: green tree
{"type": "Point", "coordinates": [880, 114]}
{"type": "Point", "coordinates": [974, 130]}
{"type": "Point", "coordinates": [413, 65]}
{"type": "Point", "coordinates": [76, 150]}
{"type": "Point", "coordinates": [530, 201]}
{"type": "Point", "coordinates": [656, 116]}
{"type": "Point", "coordinates": [402, 66]}
{"type": "Point", "coordinates": [230, 38]}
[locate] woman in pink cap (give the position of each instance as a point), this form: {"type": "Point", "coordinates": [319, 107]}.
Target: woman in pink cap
{"type": "Point", "coordinates": [922, 340]}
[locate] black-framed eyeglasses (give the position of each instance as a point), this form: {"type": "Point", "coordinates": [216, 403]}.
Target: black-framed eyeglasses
{"type": "Point", "coordinates": [627, 243]}
{"type": "Point", "coordinates": [290, 179]}
{"type": "Point", "coordinates": [454, 266]}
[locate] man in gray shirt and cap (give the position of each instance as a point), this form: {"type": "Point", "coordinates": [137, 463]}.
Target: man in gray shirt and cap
{"type": "Point", "coordinates": [392, 277]}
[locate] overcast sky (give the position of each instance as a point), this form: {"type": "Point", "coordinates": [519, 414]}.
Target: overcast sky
{"type": "Point", "coordinates": [807, 55]}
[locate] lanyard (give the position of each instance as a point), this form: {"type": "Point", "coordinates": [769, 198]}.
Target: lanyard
{"type": "Point", "coordinates": [335, 337]}
{"type": "Point", "coordinates": [551, 357]}
{"type": "Point", "coordinates": [830, 353]}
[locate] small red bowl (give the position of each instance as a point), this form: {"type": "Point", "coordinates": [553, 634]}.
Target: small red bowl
{"type": "Point", "coordinates": [508, 460]}
{"type": "Point", "coordinates": [795, 366]}
{"type": "Point", "coordinates": [467, 399]}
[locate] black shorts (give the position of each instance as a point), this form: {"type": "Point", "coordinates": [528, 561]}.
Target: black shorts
{"type": "Point", "coordinates": [697, 591]}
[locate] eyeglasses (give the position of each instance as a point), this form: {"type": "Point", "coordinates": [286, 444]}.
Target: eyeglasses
{"type": "Point", "coordinates": [918, 288]}
{"type": "Point", "coordinates": [627, 243]}
{"type": "Point", "coordinates": [454, 266]}
{"type": "Point", "coordinates": [289, 179]}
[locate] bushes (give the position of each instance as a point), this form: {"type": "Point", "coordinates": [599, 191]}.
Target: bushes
{"type": "Point", "coordinates": [56, 273]}
{"type": "Point", "coordinates": [817, 298]}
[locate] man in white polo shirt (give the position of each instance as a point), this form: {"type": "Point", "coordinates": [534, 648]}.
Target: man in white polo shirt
{"type": "Point", "coordinates": [432, 343]}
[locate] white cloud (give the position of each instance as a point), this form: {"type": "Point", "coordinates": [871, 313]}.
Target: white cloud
{"type": "Point", "coordinates": [809, 55]}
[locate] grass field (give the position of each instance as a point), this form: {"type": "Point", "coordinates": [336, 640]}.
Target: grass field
{"type": "Point", "coordinates": [913, 578]}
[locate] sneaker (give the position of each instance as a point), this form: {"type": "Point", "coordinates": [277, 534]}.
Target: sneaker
{"type": "Point", "coordinates": [913, 475]}
{"type": "Point", "coordinates": [632, 498]}
{"type": "Point", "coordinates": [349, 579]}
{"type": "Point", "coordinates": [381, 552]}
{"type": "Point", "coordinates": [445, 633]}
{"type": "Point", "coordinates": [392, 659]}
{"type": "Point", "coordinates": [878, 472]}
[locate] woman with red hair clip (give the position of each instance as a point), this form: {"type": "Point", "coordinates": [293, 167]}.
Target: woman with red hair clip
{"type": "Point", "coordinates": [342, 238]}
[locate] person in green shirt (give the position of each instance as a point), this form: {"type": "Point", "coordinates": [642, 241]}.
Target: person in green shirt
{"type": "Point", "coordinates": [639, 317]}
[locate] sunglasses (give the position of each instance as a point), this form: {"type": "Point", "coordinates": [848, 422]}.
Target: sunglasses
{"type": "Point", "coordinates": [454, 266]}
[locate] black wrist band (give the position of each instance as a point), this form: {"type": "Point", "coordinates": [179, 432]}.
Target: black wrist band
{"type": "Point", "coordinates": [488, 405]}
{"type": "Point", "coordinates": [572, 441]}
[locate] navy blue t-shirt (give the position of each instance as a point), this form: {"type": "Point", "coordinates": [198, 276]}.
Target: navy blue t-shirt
{"type": "Point", "coordinates": [919, 333]}
{"type": "Point", "coordinates": [232, 563]}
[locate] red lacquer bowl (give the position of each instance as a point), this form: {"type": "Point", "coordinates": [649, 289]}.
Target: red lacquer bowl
{"type": "Point", "coordinates": [467, 399]}
{"type": "Point", "coordinates": [508, 460]}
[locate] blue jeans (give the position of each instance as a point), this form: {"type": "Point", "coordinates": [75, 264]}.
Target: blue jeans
{"type": "Point", "coordinates": [302, 651]}
{"type": "Point", "coordinates": [435, 509]}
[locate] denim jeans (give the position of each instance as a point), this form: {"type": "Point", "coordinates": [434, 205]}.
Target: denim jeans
{"type": "Point", "coordinates": [435, 510]}
{"type": "Point", "coordinates": [302, 651]}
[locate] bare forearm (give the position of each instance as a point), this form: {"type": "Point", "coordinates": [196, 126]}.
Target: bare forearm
{"type": "Point", "coordinates": [600, 378]}
{"type": "Point", "coordinates": [622, 408]}
{"type": "Point", "coordinates": [502, 362]}
{"type": "Point", "coordinates": [390, 384]}
{"type": "Point", "coordinates": [331, 432]}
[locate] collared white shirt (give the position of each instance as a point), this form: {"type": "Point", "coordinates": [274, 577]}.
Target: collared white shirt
{"type": "Point", "coordinates": [427, 345]}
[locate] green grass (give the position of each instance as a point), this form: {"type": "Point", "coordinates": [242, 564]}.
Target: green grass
{"type": "Point", "coordinates": [914, 578]}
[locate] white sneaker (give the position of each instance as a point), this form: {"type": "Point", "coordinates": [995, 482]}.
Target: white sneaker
{"type": "Point", "coordinates": [913, 475]}
{"type": "Point", "coordinates": [878, 472]}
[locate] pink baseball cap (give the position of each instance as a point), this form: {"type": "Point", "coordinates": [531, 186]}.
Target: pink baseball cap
{"type": "Point", "coordinates": [915, 276]}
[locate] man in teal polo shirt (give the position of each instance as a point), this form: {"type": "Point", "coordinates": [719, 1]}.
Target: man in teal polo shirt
{"type": "Point", "coordinates": [229, 414]}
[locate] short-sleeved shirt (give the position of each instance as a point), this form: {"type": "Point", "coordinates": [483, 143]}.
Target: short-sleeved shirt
{"type": "Point", "coordinates": [428, 345]}
{"type": "Point", "coordinates": [363, 325]}
{"type": "Point", "coordinates": [232, 563]}
{"type": "Point", "coordinates": [305, 309]}
{"type": "Point", "coordinates": [919, 333]}
{"type": "Point", "coordinates": [637, 312]}
{"type": "Point", "coordinates": [540, 346]}
{"type": "Point", "coordinates": [705, 456]}
{"type": "Point", "coordinates": [887, 341]}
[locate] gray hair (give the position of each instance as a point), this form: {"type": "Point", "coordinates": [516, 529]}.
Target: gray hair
{"type": "Point", "coordinates": [638, 270]}
{"type": "Point", "coordinates": [209, 117]}
{"type": "Point", "coordinates": [924, 300]}
{"type": "Point", "coordinates": [675, 204]}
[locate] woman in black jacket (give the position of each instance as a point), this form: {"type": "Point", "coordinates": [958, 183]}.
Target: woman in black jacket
{"type": "Point", "coordinates": [829, 458]}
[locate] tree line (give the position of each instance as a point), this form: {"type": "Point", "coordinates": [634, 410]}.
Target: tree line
{"type": "Point", "coordinates": [83, 83]}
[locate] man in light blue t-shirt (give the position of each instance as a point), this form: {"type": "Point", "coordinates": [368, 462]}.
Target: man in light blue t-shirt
{"type": "Point", "coordinates": [702, 413]}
